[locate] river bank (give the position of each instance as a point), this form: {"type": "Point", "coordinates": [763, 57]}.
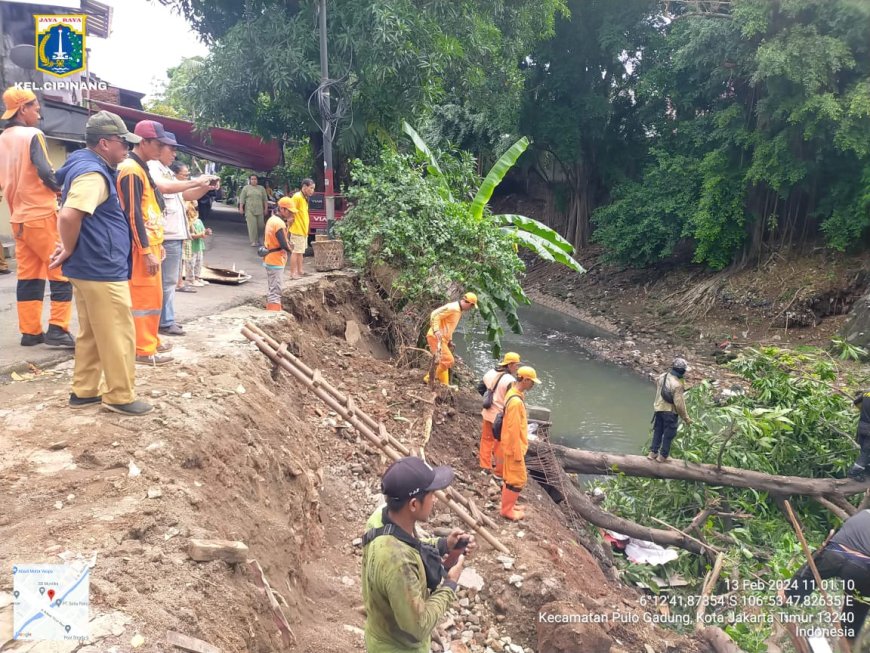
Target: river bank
{"type": "Point", "coordinates": [656, 314]}
{"type": "Point", "coordinates": [235, 451]}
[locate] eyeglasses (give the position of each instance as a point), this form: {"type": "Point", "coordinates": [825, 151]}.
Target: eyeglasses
{"type": "Point", "coordinates": [115, 140]}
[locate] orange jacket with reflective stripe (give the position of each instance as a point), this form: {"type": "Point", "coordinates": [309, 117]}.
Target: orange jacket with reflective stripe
{"type": "Point", "coordinates": [515, 427]}
{"type": "Point", "coordinates": [29, 198]}
{"type": "Point", "coordinates": [445, 319]}
{"type": "Point", "coordinates": [152, 216]}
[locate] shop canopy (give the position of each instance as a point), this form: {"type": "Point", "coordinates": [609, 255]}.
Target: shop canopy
{"type": "Point", "coordinates": [227, 146]}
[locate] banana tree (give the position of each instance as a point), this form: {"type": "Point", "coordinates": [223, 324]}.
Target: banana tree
{"type": "Point", "coordinates": [526, 232]}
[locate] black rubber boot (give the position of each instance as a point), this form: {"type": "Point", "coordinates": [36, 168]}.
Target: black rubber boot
{"type": "Point", "coordinates": [29, 340]}
{"type": "Point", "coordinates": [57, 337]}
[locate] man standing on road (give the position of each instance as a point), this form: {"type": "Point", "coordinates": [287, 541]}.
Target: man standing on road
{"type": "Point", "coordinates": [144, 205]}
{"type": "Point", "coordinates": [497, 382]}
{"type": "Point", "coordinates": [174, 193]}
{"type": "Point", "coordinates": [29, 185]}
{"type": "Point", "coordinates": [515, 442]}
{"type": "Point", "coordinates": [442, 323]}
{"type": "Point", "coordinates": [253, 204]}
{"type": "Point", "coordinates": [669, 405]}
{"type": "Point", "coordinates": [299, 227]}
{"type": "Point", "coordinates": [95, 254]}
{"type": "Point", "coordinates": [404, 588]}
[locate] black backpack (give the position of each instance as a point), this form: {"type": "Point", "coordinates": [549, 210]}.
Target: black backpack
{"type": "Point", "coordinates": [499, 419]}
{"type": "Point", "coordinates": [666, 393]}
{"type": "Point", "coordinates": [489, 395]}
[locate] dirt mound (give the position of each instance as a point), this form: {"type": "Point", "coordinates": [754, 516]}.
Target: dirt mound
{"type": "Point", "coordinates": [234, 452]}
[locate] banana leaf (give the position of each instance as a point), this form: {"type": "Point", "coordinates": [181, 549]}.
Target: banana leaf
{"type": "Point", "coordinates": [433, 168]}
{"type": "Point", "coordinates": [495, 175]}
{"type": "Point", "coordinates": [544, 248]}
{"type": "Point", "coordinates": [533, 226]}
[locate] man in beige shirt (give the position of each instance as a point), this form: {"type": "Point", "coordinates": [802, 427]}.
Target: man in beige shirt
{"type": "Point", "coordinates": [669, 405]}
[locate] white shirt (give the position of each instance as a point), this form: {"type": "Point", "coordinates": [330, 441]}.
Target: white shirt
{"type": "Point", "coordinates": [498, 396]}
{"type": "Point", "coordinates": [176, 218]}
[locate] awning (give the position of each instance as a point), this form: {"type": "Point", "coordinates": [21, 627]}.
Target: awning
{"type": "Point", "coordinates": [227, 146]}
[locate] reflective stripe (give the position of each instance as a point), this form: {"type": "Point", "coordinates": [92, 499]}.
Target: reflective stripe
{"type": "Point", "coordinates": [146, 312]}
{"type": "Point", "coordinates": [61, 291]}
{"type": "Point", "coordinates": [30, 290]}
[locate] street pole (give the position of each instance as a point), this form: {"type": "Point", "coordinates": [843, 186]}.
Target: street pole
{"type": "Point", "coordinates": [325, 106]}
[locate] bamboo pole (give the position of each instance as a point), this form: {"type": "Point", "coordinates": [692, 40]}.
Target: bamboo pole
{"type": "Point", "coordinates": [366, 419]}
{"type": "Point", "coordinates": [353, 415]}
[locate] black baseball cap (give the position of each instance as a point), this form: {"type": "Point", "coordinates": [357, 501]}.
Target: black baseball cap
{"type": "Point", "coordinates": [411, 477]}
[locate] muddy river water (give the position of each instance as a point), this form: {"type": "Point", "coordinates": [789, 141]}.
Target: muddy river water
{"type": "Point", "coordinates": [594, 404]}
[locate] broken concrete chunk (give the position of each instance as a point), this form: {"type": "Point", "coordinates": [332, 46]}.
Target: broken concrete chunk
{"type": "Point", "coordinates": [207, 550]}
{"type": "Point", "coordinates": [470, 579]}
{"type": "Point", "coordinates": [190, 644]}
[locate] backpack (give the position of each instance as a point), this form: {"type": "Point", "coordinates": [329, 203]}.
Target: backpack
{"type": "Point", "coordinates": [489, 395]}
{"type": "Point", "coordinates": [499, 419]}
{"type": "Point", "coordinates": [666, 393]}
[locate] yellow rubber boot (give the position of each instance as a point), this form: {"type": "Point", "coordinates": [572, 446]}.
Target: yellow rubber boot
{"type": "Point", "coordinates": [442, 375]}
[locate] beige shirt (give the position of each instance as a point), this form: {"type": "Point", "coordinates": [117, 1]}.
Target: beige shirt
{"type": "Point", "coordinates": [87, 192]}
{"type": "Point", "coordinates": [675, 385]}
{"type": "Point", "coordinates": [504, 385]}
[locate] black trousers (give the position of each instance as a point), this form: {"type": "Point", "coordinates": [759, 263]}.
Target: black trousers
{"type": "Point", "coordinates": [863, 458]}
{"type": "Point", "coordinates": [833, 563]}
{"type": "Point", "coordinates": [664, 431]}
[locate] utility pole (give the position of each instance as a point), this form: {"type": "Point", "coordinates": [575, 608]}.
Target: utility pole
{"type": "Point", "coordinates": [327, 129]}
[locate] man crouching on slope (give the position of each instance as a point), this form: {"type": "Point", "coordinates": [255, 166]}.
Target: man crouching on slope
{"type": "Point", "coordinates": [404, 588]}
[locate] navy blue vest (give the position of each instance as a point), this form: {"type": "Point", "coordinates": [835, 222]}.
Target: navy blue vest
{"type": "Point", "coordinates": [104, 248]}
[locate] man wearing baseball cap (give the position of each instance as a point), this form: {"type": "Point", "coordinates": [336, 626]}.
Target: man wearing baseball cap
{"type": "Point", "coordinates": [515, 442]}
{"type": "Point", "coordinates": [496, 383]}
{"type": "Point", "coordinates": [442, 323]}
{"type": "Point", "coordinates": [404, 587]}
{"type": "Point", "coordinates": [30, 187]}
{"type": "Point", "coordinates": [276, 242]}
{"type": "Point", "coordinates": [668, 406]}
{"type": "Point", "coordinates": [175, 192]}
{"type": "Point", "coordinates": [144, 205]}
{"type": "Point", "coordinates": [95, 254]}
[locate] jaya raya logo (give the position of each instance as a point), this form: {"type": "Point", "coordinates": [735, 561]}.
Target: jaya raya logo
{"type": "Point", "coordinates": [60, 44]}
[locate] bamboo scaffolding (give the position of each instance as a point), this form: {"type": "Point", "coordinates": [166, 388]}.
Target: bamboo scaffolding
{"type": "Point", "coordinates": [359, 420]}
{"type": "Point", "coordinates": [375, 426]}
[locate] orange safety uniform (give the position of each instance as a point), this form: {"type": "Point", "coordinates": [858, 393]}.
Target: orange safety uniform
{"type": "Point", "coordinates": [443, 319]}
{"type": "Point", "coordinates": [491, 456]}
{"type": "Point", "coordinates": [143, 204]}
{"type": "Point", "coordinates": [28, 183]}
{"type": "Point", "coordinates": [514, 444]}
{"type": "Point", "coordinates": [270, 241]}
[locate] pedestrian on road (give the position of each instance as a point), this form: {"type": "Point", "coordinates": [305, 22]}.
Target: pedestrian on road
{"type": "Point", "coordinates": [175, 191]}
{"type": "Point", "coordinates": [299, 227]}
{"type": "Point", "coordinates": [194, 249]}
{"type": "Point", "coordinates": [496, 383]}
{"type": "Point", "coordinates": [95, 253]}
{"type": "Point", "coordinates": [276, 241]}
{"type": "Point", "coordinates": [847, 557]}
{"type": "Point", "coordinates": [515, 442]}
{"type": "Point", "coordinates": [442, 323]}
{"type": "Point", "coordinates": [405, 587]}
{"type": "Point", "coordinates": [144, 205]}
{"type": "Point", "coordinates": [30, 187]}
{"type": "Point", "coordinates": [669, 406]}
{"type": "Point", "coordinates": [253, 204]}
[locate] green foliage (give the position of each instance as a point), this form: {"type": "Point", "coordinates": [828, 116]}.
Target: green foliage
{"type": "Point", "coordinates": [402, 222]}
{"type": "Point", "coordinates": [847, 351]}
{"type": "Point", "coordinates": [494, 177]}
{"type": "Point", "coordinates": [790, 422]}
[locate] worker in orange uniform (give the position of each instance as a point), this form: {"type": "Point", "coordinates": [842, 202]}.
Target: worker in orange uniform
{"type": "Point", "coordinates": [497, 382]}
{"type": "Point", "coordinates": [442, 324]}
{"type": "Point", "coordinates": [515, 442]}
{"type": "Point", "coordinates": [144, 205]}
{"type": "Point", "coordinates": [276, 243]}
{"type": "Point", "coordinates": [28, 183]}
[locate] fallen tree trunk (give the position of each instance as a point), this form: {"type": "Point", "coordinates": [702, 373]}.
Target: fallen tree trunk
{"type": "Point", "coordinates": [599, 462]}
{"type": "Point", "coordinates": [589, 511]}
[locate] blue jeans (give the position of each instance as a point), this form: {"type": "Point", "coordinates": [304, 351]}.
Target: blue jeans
{"type": "Point", "coordinates": [664, 432]}
{"type": "Point", "coordinates": [171, 266]}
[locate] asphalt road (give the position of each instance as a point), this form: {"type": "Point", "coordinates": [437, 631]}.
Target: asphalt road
{"type": "Point", "coordinates": [227, 247]}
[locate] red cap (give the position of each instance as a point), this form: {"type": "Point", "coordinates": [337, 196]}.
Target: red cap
{"type": "Point", "coordinates": [153, 129]}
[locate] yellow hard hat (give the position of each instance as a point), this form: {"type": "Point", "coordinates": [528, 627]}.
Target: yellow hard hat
{"type": "Point", "coordinates": [527, 372]}
{"type": "Point", "coordinates": [471, 298]}
{"type": "Point", "coordinates": [510, 358]}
